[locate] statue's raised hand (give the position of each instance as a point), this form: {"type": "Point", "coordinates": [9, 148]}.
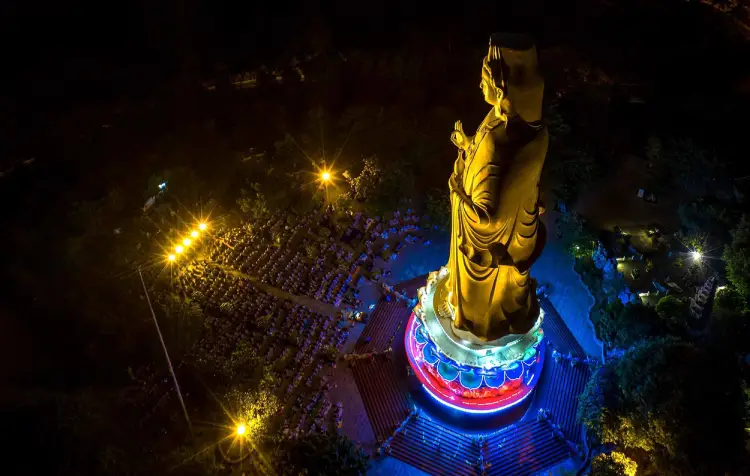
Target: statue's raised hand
{"type": "Point", "coordinates": [458, 137]}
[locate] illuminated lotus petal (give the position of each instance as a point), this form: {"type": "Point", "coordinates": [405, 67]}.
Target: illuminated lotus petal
{"type": "Point", "coordinates": [514, 371]}
{"type": "Point", "coordinates": [529, 357]}
{"type": "Point", "coordinates": [430, 354]}
{"type": "Point", "coordinates": [446, 371]}
{"type": "Point", "coordinates": [421, 338]}
{"type": "Point", "coordinates": [447, 360]}
{"type": "Point", "coordinates": [494, 381]}
{"type": "Point", "coordinates": [471, 380]}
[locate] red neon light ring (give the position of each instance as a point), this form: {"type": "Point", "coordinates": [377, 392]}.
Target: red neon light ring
{"type": "Point", "coordinates": [472, 405]}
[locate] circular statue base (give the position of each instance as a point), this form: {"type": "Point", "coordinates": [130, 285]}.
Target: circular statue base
{"type": "Point", "coordinates": [464, 375]}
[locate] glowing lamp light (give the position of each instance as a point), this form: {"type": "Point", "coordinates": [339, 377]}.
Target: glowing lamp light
{"type": "Point", "coordinates": [186, 242]}
{"type": "Point", "coordinates": [241, 429]}
{"type": "Point", "coordinates": [202, 226]}
{"type": "Point", "coordinates": [162, 185]}
{"type": "Point", "coordinates": [326, 176]}
{"type": "Point", "coordinates": [171, 257]}
{"type": "Point", "coordinates": [194, 234]}
{"type": "Point", "coordinates": [179, 249]}
{"type": "Point", "coordinates": [696, 255]}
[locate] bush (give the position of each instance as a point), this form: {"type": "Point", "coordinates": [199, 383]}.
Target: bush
{"type": "Point", "coordinates": [654, 399]}
{"type": "Point", "coordinates": [613, 464]}
{"type": "Point", "coordinates": [674, 315]}
{"type": "Point", "coordinates": [621, 326]}
{"type": "Point", "coordinates": [737, 258]}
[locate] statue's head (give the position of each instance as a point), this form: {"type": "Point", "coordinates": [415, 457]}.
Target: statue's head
{"type": "Point", "coordinates": [492, 85]}
{"type": "Point", "coordinates": [510, 77]}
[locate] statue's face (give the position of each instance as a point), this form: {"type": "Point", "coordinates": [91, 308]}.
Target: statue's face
{"type": "Point", "coordinates": [488, 90]}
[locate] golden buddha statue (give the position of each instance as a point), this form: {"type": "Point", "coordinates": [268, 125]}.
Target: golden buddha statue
{"type": "Point", "coordinates": [496, 234]}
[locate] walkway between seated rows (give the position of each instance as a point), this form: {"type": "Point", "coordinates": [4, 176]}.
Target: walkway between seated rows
{"type": "Point", "coordinates": [312, 303]}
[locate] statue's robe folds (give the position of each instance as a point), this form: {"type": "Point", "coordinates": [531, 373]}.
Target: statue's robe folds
{"type": "Point", "coordinates": [496, 237]}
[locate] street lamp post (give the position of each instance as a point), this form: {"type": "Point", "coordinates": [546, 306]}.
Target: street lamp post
{"type": "Point", "coordinates": [326, 177]}
{"type": "Point", "coordinates": [166, 353]}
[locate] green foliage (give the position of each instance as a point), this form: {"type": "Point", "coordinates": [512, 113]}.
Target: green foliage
{"type": "Point", "coordinates": [311, 250]}
{"type": "Point", "coordinates": [613, 464]}
{"type": "Point", "coordinates": [254, 406]}
{"type": "Point", "coordinates": [439, 208]}
{"type": "Point", "coordinates": [321, 454]}
{"type": "Point", "coordinates": [730, 324]}
{"type": "Point", "coordinates": [673, 312]}
{"type": "Point", "coordinates": [243, 364]}
{"type": "Point", "coordinates": [649, 265]}
{"type": "Point", "coordinates": [381, 189]}
{"type": "Point", "coordinates": [655, 398]}
{"type": "Point", "coordinates": [364, 187]}
{"type": "Point", "coordinates": [577, 237]}
{"type": "Point", "coordinates": [252, 201]}
{"type": "Point", "coordinates": [723, 6]}
{"type": "Point", "coordinates": [729, 301]}
{"type": "Point", "coordinates": [695, 241]}
{"type": "Point", "coordinates": [737, 258]}
{"type": "Point", "coordinates": [621, 326]}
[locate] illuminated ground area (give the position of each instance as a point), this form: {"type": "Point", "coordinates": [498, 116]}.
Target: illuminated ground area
{"type": "Point", "coordinates": [442, 441]}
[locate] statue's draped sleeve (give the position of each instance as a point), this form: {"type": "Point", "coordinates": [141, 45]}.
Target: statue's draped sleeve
{"type": "Point", "coordinates": [484, 194]}
{"type": "Point", "coordinates": [499, 220]}
{"type": "Point", "coordinates": [481, 220]}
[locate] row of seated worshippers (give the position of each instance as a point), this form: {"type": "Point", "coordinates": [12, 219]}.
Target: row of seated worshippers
{"type": "Point", "coordinates": [296, 342]}
{"type": "Point", "coordinates": [277, 251]}
{"type": "Point", "coordinates": [273, 250]}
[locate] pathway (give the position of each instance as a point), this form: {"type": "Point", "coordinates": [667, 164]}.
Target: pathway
{"type": "Point", "coordinates": [567, 293]}
{"type": "Point", "coordinates": [312, 303]}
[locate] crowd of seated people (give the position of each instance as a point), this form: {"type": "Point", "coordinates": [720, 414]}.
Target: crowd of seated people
{"type": "Point", "coordinates": [294, 254]}
{"type": "Point", "coordinates": [303, 256]}
{"type": "Point", "coordinates": [297, 344]}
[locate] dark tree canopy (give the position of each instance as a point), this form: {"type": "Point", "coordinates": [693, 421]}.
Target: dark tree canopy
{"type": "Point", "coordinates": [656, 400]}
{"type": "Point", "coordinates": [737, 258]}
{"type": "Point", "coordinates": [321, 455]}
